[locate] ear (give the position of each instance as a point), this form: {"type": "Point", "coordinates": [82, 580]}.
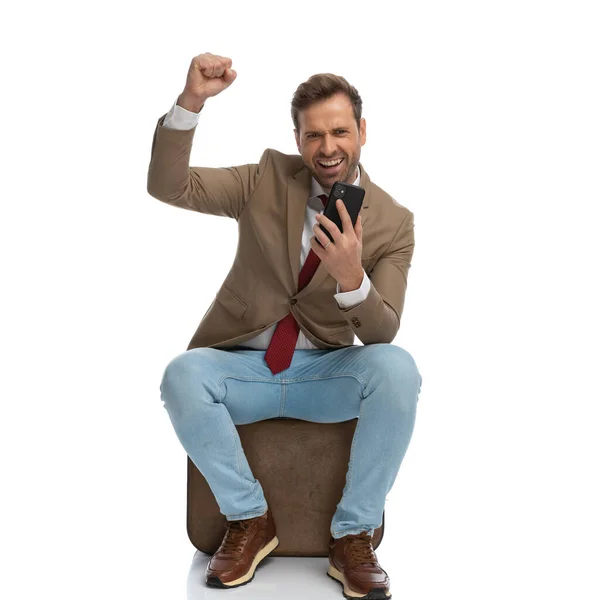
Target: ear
{"type": "Point", "coordinates": [363, 132]}
{"type": "Point", "coordinates": [297, 136]}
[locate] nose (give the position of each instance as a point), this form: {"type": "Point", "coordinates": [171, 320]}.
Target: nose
{"type": "Point", "coordinates": [328, 145]}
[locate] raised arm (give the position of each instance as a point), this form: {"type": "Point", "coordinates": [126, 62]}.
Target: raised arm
{"type": "Point", "coordinates": [216, 191]}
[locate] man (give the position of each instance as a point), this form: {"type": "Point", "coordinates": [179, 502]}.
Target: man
{"type": "Point", "coordinates": [277, 341]}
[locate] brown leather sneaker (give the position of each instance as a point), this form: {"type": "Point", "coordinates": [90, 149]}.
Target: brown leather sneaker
{"type": "Point", "coordinates": [244, 545]}
{"type": "Point", "coordinates": [353, 563]}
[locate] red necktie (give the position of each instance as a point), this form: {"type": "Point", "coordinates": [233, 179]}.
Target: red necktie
{"type": "Point", "coordinates": [281, 349]}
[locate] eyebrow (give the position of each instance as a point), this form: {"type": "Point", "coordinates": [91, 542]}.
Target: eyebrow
{"type": "Point", "coordinates": [334, 129]}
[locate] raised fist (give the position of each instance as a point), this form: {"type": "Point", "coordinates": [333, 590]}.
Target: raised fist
{"type": "Point", "coordinates": [208, 75]}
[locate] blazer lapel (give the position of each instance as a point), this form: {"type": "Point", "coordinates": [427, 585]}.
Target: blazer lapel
{"type": "Point", "coordinates": [297, 198]}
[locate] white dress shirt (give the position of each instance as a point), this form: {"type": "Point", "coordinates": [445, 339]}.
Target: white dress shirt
{"type": "Point", "coordinates": [180, 118]}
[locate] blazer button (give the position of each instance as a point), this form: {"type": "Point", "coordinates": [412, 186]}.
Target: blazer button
{"type": "Point", "coordinates": [355, 321]}
{"type": "Point", "coordinates": [293, 301]}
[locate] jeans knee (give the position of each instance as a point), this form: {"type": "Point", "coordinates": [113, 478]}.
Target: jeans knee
{"type": "Point", "coordinates": [395, 367]}
{"type": "Point", "coordinates": [389, 360]}
{"type": "Point", "coordinates": [183, 375]}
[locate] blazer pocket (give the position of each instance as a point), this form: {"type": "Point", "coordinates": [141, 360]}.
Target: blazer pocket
{"type": "Point", "coordinates": [335, 331]}
{"type": "Point", "coordinates": [233, 303]}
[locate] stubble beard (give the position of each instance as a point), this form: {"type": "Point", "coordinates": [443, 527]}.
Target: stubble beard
{"type": "Point", "coordinates": [348, 176]}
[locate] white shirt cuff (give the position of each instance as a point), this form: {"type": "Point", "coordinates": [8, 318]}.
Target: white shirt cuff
{"type": "Point", "coordinates": [353, 297]}
{"type": "Point", "coordinates": [181, 118]}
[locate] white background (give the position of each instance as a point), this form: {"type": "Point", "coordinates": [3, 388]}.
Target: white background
{"type": "Point", "coordinates": [482, 118]}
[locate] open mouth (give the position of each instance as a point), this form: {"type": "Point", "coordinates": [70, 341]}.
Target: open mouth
{"type": "Point", "coordinates": [331, 166]}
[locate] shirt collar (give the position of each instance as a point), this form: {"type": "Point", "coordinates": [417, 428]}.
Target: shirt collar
{"type": "Point", "coordinates": [317, 190]}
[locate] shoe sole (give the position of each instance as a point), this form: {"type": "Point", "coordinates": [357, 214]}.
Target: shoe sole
{"type": "Point", "coordinates": [374, 594]}
{"type": "Point", "coordinates": [214, 581]}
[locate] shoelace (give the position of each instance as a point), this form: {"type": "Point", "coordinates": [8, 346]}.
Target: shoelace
{"type": "Point", "coordinates": [359, 550]}
{"type": "Point", "coordinates": [233, 542]}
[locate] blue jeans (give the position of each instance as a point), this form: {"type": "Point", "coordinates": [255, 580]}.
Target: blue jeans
{"type": "Point", "coordinates": [206, 391]}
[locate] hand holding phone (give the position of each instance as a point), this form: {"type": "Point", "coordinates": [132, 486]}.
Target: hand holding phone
{"type": "Point", "coordinates": [351, 195]}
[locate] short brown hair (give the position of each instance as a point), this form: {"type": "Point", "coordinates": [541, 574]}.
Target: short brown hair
{"type": "Point", "coordinates": [321, 87]}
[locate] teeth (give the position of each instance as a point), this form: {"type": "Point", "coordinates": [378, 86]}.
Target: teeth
{"type": "Point", "coordinates": [330, 163]}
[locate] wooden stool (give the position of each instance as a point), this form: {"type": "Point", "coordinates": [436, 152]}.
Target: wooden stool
{"type": "Point", "coordinates": [301, 467]}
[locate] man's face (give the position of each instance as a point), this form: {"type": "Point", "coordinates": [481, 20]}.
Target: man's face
{"type": "Point", "coordinates": [328, 130]}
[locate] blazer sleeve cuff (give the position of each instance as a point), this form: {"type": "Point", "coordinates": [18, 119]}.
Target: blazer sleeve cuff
{"type": "Point", "coordinates": [353, 297]}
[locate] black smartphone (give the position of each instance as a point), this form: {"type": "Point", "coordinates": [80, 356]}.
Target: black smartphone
{"type": "Point", "coordinates": [351, 195]}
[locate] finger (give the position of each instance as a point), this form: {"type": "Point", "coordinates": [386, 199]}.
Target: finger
{"type": "Point", "coordinates": [220, 65]}
{"type": "Point", "coordinates": [316, 247]}
{"type": "Point", "coordinates": [358, 228]}
{"type": "Point", "coordinates": [229, 75]}
{"type": "Point", "coordinates": [224, 64]}
{"type": "Point", "coordinates": [202, 63]}
{"type": "Point", "coordinates": [215, 68]}
{"type": "Point", "coordinates": [320, 235]}
{"type": "Point", "coordinates": [330, 226]}
{"type": "Point", "coordinates": [218, 68]}
{"type": "Point", "coordinates": [205, 63]}
{"type": "Point", "coordinates": [208, 67]}
{"type": "Point", "coordinates": [344, 215]}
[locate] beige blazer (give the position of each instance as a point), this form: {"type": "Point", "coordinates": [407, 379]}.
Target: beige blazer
{"type": "Point", "coordinates": [268, 200]}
